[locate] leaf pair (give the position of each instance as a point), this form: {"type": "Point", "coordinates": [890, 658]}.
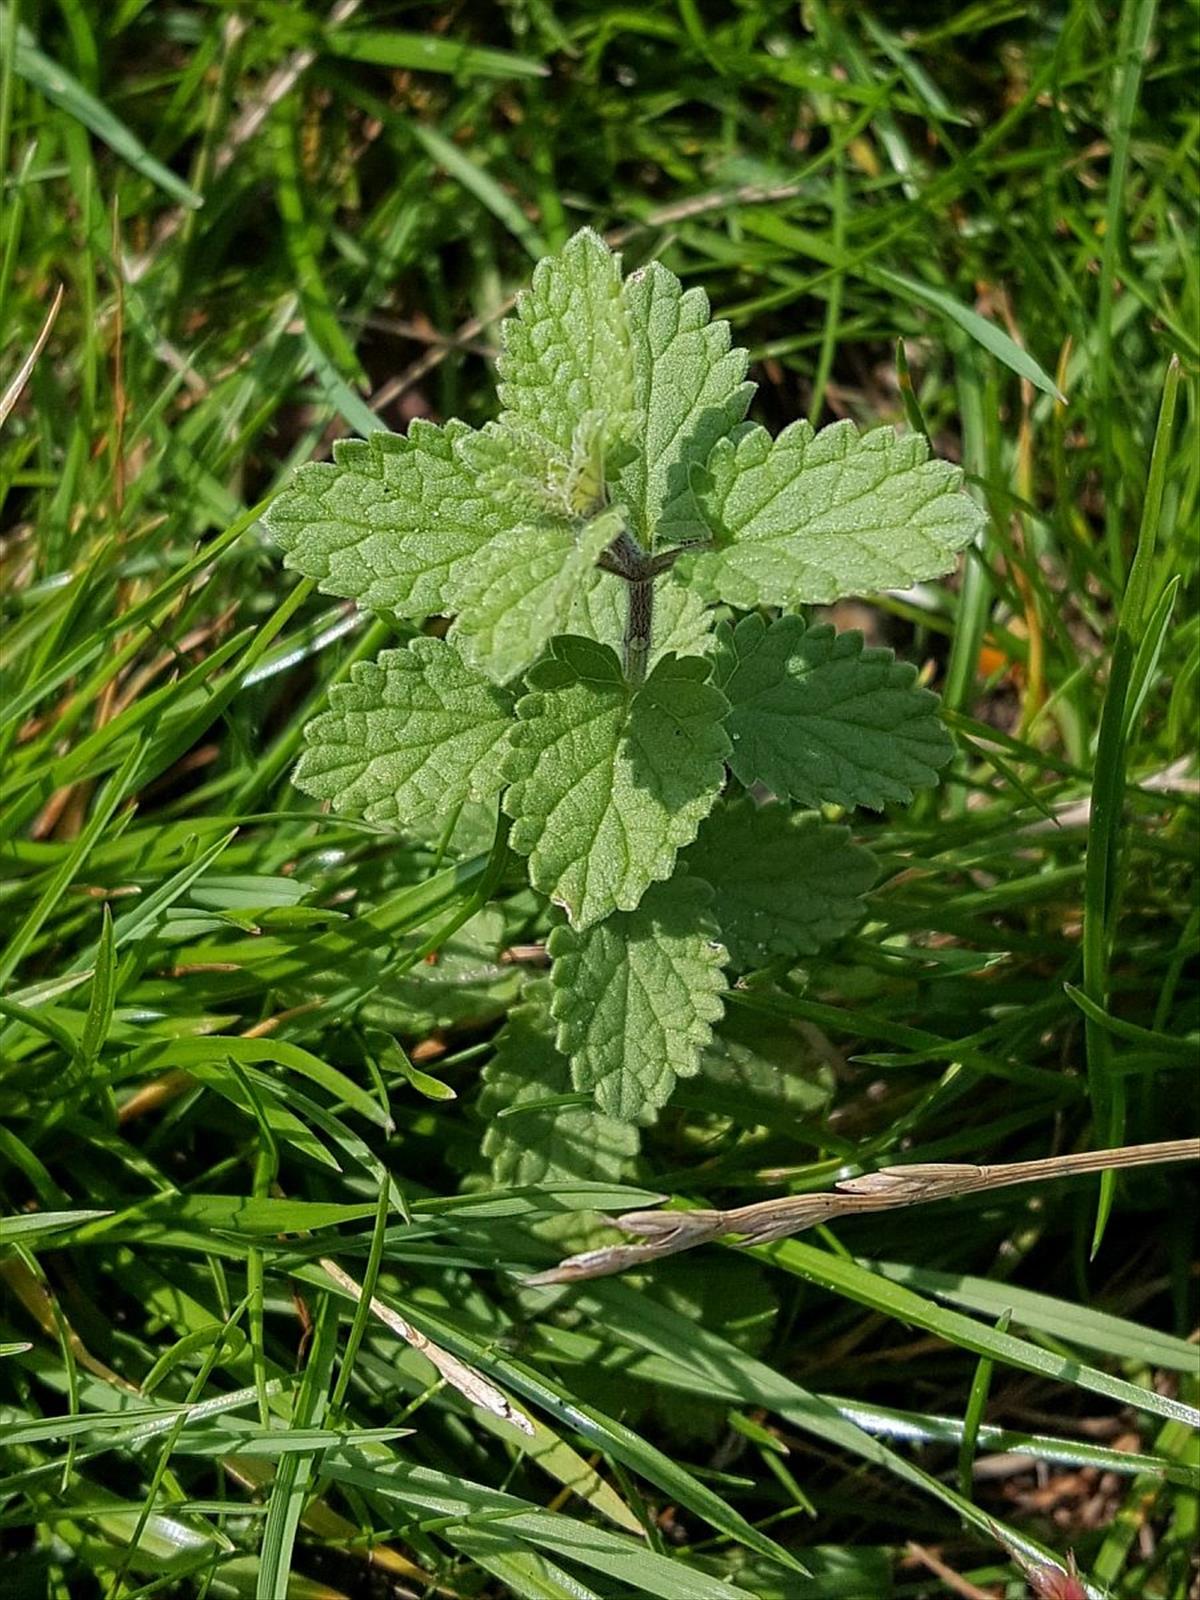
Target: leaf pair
{"type": "Point", "coordinates": [613, 391]}
{"type": "Point", "coordinates": [620, 470]}
{"type": "Point", "coordinates": [619, 396]}
{"type": "Point", "coordinates": [607, 783]}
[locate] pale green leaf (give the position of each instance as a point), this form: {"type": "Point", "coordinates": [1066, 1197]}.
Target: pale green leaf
{"type": "Point", "coordinates": [414, 732]}
{"type": "Point", "coordinates": [635, 998]}
{"type": "Point", "coordinates": [548, 1141]}
{"type": "Point", "coordinates": [607, 783]}
{"type": "Point", "coordinates": [809, 518]}
{"type": "Point", "coordinates": [819, 717]}
{"type": "Point", "coordinates": [511, 466]}
{"type": "Point", "coordinates": [564, 361]}
{"type": "Point", "coordinates": [683, 623]}
{"type": "Point", "coordinates": [634, 376]}
{"type": "Point", "coordinates": [786, 882]}
{"type": "Point", "coordinates": [518, 592]}
{"type": "Point", "coordinates": [389, 520]}
{"type": "Point", "coordinates": [689, 391]}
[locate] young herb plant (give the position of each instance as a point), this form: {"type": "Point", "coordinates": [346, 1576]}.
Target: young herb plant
{"type": "Point", "coordinates": [626, 671]}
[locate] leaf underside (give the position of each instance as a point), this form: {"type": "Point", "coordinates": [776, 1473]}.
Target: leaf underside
{"type": "Point", "coordinates": [821, 718]}
{"type": "Point", "coordinates": [635, 997]}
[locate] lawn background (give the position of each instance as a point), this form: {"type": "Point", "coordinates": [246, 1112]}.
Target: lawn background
{"type": "Point", "coordinates": [217, 1011]}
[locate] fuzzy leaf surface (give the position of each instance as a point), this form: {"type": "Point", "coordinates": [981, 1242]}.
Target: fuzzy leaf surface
{"type": "Point", "coordinates": [389, 520]}
{"type": "Point", "coordinates": [519, 591]}
{"type": "Point", "coordinates": [786, 882]}
{"type": "Point", "coordinates": [683, 624]}
{"type": "Point", "coordinates": [608, 784]}
{"type": "Point", "coordinates": [635, 997]}
{"type": "Point", "coordinates": [808, 518]}
{"type": "Point", "coordinates": [412, 733]}
{"type": "Point", "coordinates": [564, 370]}
{"type": "Point", "coordinates": [821, 718]}
{"type": "Point", "coordinates": [551, 1142]}
{"type": "Point", "coordinates": [689, 390]}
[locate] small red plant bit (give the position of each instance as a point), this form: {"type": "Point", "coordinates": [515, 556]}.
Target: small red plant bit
{"type": "Point", "coordinates": [1047, 1581]}
{"type": "Point", "coordinates": [1053, 1583]}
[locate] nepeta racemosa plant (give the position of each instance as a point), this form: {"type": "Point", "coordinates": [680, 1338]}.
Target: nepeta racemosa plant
{"type": "Point", "coordinates": [622, 556]}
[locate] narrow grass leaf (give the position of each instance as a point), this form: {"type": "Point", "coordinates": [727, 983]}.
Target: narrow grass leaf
{"type": "Point", "coordinates": [985, 332]}
{"type": "Point", "coordinates": [977, 1398]}
{"type": "Point", "coordinates": [104, 988]}
{"type": "Point", "coordinates": [115, 791]}
{"type": "Point", "coordinates": [1085, 1326]}
{"type": "Point", "coordinates": [1105, 822]}
{"type": "Point", "coordinates": [479, 183]}
{"type": "Point", "coordinates": [59, 87]}
{"type": "Point", "coordinates": [858, 1283]}
{"type": "Point", "coordinates": [429, 52]}
{"type": "Point", "coordinates": [290, 1489]}
{"type": "Point", "coordinates": [619, 1557]}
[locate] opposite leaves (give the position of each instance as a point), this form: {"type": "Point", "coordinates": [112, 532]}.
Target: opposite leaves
{"type": "Point", "coordinates": [578, 544]}
{"type": "Point", "coordinates": [608, 783]}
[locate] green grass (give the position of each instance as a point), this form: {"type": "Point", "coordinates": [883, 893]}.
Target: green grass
{"type": "Point", "coordinates": [238, 1038]}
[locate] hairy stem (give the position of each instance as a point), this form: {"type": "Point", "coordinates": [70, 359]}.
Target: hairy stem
{"type": "Point", "coordinates": [639, 624]}
{"type": "Point", "coordinates": [625, 557]}
{"type": "Point", "coordinates": [626, 560]}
